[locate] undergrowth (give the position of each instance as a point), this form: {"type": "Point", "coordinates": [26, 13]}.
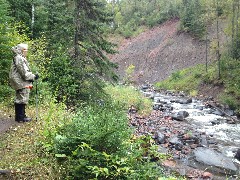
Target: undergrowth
{"type": "Point", "coordinates": [93, 142]}
{"type": "Point", "coordinates": [130, 96]}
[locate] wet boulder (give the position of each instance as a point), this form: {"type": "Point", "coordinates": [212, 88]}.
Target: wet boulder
{"type": "Point", "coordinates": [145, 87]}
{"type": "Point", "coordinates": [180, 116]}
{"type": "Point", "coordinates": [176, 143]}
{"type": "Point", "coordinates": [156, 106]}
{"type": "Point", "coordinates": [237, 155]}
{"type": "Point", "coordinates": [160, 138]}
{"type": "Point", "coordinates": [185, 101]}
{"type": "Point", "coordinates": [218, 112]}
{"type": "Point", "coordinates": [213, 161]}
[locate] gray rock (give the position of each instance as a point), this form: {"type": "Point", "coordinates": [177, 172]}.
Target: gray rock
{"type": "Point", "coordinates": [180, 116]}
{"type": "Point", "coordinates": [237, 155]}
{"type": "Point", "coordinates": [161, 138]}
{"type": "Point", "coordinates": [229, 112]}
{"type": "Point", "coordinates": [210, 160]}
{"type": "Point", "coordinates": [156, 107]}
{"type": "Point", "coordinates": [183, 113]}
{"type": "Point", "coordinates": [217, 112]}
{"type": "Point", "coordinates": [175, 140]}
{"type": "Point", "coordinates": [176, 143]}
{"type": "Point", "coordinates": [177, 117]}
{"type": "Point", "coordinates": [185, 101]}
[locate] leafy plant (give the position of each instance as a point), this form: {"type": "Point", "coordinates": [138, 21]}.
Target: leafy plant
{"type": "Point", "coordinates": [136, 160]}
{"type": "Point", "coordinates": [129, 96]}
{"type": "Point", "coordinates": [129, 72]}
{"type": "Point", "coordinates": [104, 127]}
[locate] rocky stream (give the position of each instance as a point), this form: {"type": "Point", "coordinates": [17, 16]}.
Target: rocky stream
{"type": "Point", "coordinates": [202, 136]}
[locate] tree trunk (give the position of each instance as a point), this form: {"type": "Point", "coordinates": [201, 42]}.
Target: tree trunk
{"type": "Point", "coordinates": [206, 50]}
{"type": "Point", "coordinates": [233, 27]}
{"type": "Point", "coordinates": [77, 25]}
{"type": "Point", "coordinates": [33, 18]}
{"type": "Point", "coordinates": [218, 43]}
{"type": "Point", "coordinates": [237, 30]}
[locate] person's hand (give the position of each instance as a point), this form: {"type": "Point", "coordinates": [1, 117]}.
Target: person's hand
{"type": "Point", "coordinates": [36, 76]}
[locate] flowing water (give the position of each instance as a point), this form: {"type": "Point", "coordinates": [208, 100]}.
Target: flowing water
{"type": "Point", "coordinates": [204, 120]}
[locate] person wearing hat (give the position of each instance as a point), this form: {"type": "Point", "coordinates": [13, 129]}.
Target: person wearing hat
{"type": "Point", "coordinates": [21, 79]}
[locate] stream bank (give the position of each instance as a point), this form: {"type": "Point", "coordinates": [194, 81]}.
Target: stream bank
{"type": "Point", "coordinates": [202, 136]}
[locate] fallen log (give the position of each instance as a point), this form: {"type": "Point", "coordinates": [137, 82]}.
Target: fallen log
{"type": "Point", "coordinates": [226, 114]}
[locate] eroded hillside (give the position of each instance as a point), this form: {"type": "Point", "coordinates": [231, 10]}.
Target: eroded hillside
{"type": "Point", "coordinates": [159, 52]}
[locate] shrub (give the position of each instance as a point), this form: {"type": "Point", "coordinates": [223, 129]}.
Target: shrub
{"type": "Point", "coordinates": [103, 127]}
{"type": "Point", "coordinates": [136, 160]}
{"type": "Point", "coordinates": [129, 96]}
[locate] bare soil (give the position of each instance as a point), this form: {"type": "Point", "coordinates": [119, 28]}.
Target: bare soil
{"type": "Point", "coordinates": [159, 52]}
{"type": "Point", "coordinates": [6, 122]}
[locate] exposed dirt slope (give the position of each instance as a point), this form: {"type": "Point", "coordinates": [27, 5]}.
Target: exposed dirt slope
{"type": "Point", "coordinates": [159, 52]}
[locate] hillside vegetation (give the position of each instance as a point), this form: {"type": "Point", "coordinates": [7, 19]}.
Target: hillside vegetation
{"type": "Point", "coordinates": [203, 41]}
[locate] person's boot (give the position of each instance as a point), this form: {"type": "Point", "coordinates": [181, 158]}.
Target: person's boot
{"type": "Point", "coordinates": [19, 115]}
{"type": "Point", "coordinates": [26, 119]}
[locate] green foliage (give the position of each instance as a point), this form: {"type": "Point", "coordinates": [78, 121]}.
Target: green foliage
{"type": "Point", "coordinates": [87, 163]}
{"type": "Point", "coordinates": [192, 17]}
{"type": "Point", "coordinates": [79, 63]}
{"type": "Point", "coordinates": [129, 96]}
{"type": "Point", "coordinates": [234, 48]}
{"type": "Point", "coordinates": [104, 127]}
{"type": "Point", "coordinates": [130, 15]}
{"type": "Point", "coordinates": [22, 12]}
{"type": "Point", "coordinates": [183, 80]}
{"type": "Point", "coordinates": [5, 93]}
{"type": "Point", "coordinates": [136, 160]}
{"type": "Point", "coordinates": [231, 101]}
{"type": "Point", "coordinates": [63, 79]}
{"type": "Point", "coordinates": [129, 73]}
{"type": "Point", "coordinates": [143, 157]}
{"type": "Point", "coordinates": [9, 38]}
{"type": "Point", "coordinates": [230, 70]}
{"type": "Point", "coordinates": [58, 22]}
{"type": "Point", "coordinates": [4, 15]}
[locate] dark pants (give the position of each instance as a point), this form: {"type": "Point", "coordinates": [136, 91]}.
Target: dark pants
{"type": "Point", "coordinates": [20, 114]}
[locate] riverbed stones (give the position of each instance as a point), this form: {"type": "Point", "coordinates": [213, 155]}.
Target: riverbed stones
{"type": "Point", "coordinates": [161, 138]}
{"type": "Point", "coordinates": [213, 161]}
{"type": "Point", "coordinates": [180, 116]}
{"type": "Point", "coordinates": [237, 155]}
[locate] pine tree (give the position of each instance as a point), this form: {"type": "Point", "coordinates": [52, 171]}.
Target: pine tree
{"type": "Point", "coordinates": [79, 34]}
{"type": "Point", "coordinates": [191, 17]}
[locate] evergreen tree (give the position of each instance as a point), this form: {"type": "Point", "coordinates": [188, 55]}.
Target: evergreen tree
{"type": "Point", "coordinates": [5, 52]}
{"type": "Point", "coordinates": [80, 62]}
{"type": "Point", "coordinates": [191, 17]}
{"type": "Point", "coordinates": [8, 38]}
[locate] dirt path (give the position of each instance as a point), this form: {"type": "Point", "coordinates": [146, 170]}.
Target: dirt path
{"type": "Point", "coordinates": [6, 122]}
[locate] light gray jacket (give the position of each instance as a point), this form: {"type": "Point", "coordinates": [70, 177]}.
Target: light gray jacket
{"type": "Point", "coordinates": [20, 75]}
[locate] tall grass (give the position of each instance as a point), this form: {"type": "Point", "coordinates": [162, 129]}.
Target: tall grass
{"type": "Point", "coordinates": [130, 96]}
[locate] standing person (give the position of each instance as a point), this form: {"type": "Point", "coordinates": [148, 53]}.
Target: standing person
{"type": "Point", "coordinates": [21, 79]}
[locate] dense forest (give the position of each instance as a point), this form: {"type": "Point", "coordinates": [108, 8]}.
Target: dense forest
{"type": "Point", "coordinates": [69, 47]}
